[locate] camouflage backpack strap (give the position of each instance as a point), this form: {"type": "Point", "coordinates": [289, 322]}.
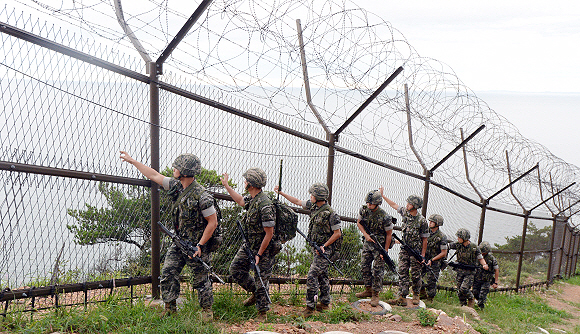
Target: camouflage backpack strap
{"type": "Point", "coordinates": [325, 207]}
{"type": "Point", "coordinates": [177, 202]}
{"type": "Point", "coordinates": [314, 214]}
{"type": "Point", "coordinates": [377, 217]}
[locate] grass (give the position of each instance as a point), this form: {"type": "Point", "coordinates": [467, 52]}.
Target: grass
{"type": "Point", "coordinates": [504, 313]}
{"type": "Point", "coordinates": [113, 316]}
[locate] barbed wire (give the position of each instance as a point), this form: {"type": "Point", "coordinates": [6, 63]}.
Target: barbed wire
{"type": "Point", "coordinates": [250, 50]}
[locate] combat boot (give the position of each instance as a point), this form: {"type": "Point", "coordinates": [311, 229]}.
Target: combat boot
{"type": "Point", "coordinates": [365, 294]}
{"type": "Point", "coordinates": [206, 314]}
{"type": "Point", "coordinates": [321, 307]}
{"type": "Point", "coordinates": [308, 311]}
{"type": "Point", "coordinates": [416, 299]}
{"type": "Point", "coordinates": [471, 303]}
{"type": "Point", "coordinates": [262, 316]}
{"type": "Point", "coordinates": [170, 308]}
{"type": "Point", "coordinates": [251, 300]}
{"type": "Point", "coordinates": [401, 301]}
{"type": "Point", "coordinates": [375, 299]}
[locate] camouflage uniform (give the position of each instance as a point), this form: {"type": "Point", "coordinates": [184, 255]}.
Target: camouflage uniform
{"type": "Point", "coordinates": [469, 255]}
{"type": "Point", "coordinates": [323, 222]}
{"type": "Point", "coordinates": [414, 228]}
{"type": "Point", "coordinates": [436, 242]}
{"type": "Point", "coordinates": [375, 224]}
{"type": "Point", "coordinates": [484, 278]}
{"type": "Point", "coordinates": [189, 207]}
{"type": "Point", "coordinates": [260, 213]}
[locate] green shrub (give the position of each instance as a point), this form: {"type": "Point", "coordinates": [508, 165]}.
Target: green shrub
{"type": "Point", "coordinates": [426, 318]}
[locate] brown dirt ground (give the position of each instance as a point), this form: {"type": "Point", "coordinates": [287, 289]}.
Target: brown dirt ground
{"type": "Point", "coordinates": [565, 297]}
{"type": "Point", "coordinates": [375, 325]}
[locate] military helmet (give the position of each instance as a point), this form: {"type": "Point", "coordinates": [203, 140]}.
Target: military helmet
{"type": "Point", "coordinates": [319, 190]}
{"type": "Point", "coordinates": [463, 233]}
{"type": "Point", "coordinates": [416, 201]}
{"type": "Point", "coordinates": [187, 164]}
{"type": "Point", "coordinates": [436, 218]}
{"type": "Point", "coordinates": [374, 197]}
{"type": "Point", "coordinates": [256, 177]}
{"type": "Point", "coordinates": [485, 247]}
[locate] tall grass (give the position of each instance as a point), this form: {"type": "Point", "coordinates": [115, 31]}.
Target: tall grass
{"type": "Point", "coordinates": [504, 313]}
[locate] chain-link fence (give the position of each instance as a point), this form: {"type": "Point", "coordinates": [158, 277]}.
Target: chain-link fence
{"type": "Point", "coordinates": [76, 221]}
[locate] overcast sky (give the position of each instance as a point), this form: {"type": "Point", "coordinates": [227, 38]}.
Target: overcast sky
{"type": "Point", "coordinates": [530, 49]}
{"type": "Point", "coordinates": [510, 46]}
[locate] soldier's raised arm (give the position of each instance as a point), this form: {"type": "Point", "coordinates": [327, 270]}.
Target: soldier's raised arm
{"type": "Point", "coordinates": [390, 202]}
{"type": "Point", "coordinates": [292, 199]}
{"type": "Point", "coordinates": [147, 171]}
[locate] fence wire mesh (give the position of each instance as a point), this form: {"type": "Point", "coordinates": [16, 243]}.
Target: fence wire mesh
{"type": "Point", "coordinates": [70, 115]}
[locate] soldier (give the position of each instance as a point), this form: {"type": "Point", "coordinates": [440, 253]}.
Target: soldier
{"type": "Point", "coordinates": [436, 252]}
{"type": "Point", "coordinates": [324, 230]}
{"type": "Point", "coordinates": [373, 221]}
{"type": "Point", "coordinates": [415, 234]}
{"type": "Point", "coordinates": [483, 278]}
{"type": "Point", "coordinates": [195, 219]}
{"type": "Point", "coordinates": [467, 254]}
{"type": "Point", "coordinates": [258, 222]}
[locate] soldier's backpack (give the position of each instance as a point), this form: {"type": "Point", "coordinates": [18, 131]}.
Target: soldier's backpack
{"type": "Point", "coordinates": [286, 222]}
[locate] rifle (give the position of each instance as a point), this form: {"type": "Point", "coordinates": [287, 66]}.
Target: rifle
{"type": "Point", "coordinates": [413, 252]}
{"type": "Point", "coordinates": [382, 250]}
{"type": "Point", "coordinates": [189, 249]}
{"type": "Point", "coordinates": [252, 257]}
{"type": "Point", "coordinates": [459, 265]}
{"type": "Point", "coordinates": [280, 180]}
{"type": "Point", "coordinates": [315, 246]}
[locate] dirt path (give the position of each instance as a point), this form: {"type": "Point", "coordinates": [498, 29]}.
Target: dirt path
{"type": "Point", "coordinates": [561, 296]}
{"type": "Point", "coordinates": [377, 324]}
{"type": "Point", "coordinates": [565, 297]}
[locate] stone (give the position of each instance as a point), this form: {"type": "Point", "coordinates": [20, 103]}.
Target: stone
{"type": "Point", "coordinates": [396, 318]}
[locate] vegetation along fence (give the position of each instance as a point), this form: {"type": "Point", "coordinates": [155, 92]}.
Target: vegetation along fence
{"type": "Point", "coordinates": [315, 91]}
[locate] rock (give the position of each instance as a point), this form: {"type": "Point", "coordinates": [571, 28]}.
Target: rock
{"type": "Point", "coordinates": [471, 311]}
{"type": "Point", "coordinates": [453, 323]}
{"type": "Point", "coordinates": [349, 325]}
{"type": "Point", "coordinates": [393, 332]}
{"type": "Point", "coordinates": [396, 318]}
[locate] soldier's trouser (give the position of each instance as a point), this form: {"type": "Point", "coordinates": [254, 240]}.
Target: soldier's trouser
{"type": "Point", "coordinates": [240, 271]}
{"type": "Point", "coordinates": [464, 281]}
{"type": "Point", "coordinates": [430, 284]}
{"type": "Point", "coordinates": [480, 290]}
{"type": "Point", "coordinates": [373, 266]}
{"type": "Point", "coordinates": [175, 260]}
{"type": "Point", "coordinates": [408, 263]}
{"type": "Point", "coordinates": [317, 279]}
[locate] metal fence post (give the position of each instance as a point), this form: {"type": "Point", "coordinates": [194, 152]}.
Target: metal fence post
{"type": "Point", "coordinates": [482, 221]}
{"type": "Point", "coordinates": [562, 251]}
{"type": "Point", "coordinates": [330, 170]}
{"type": "Point", "coordinates": [569, 255]}
{"type": "Point", "coordinates": [155, 216]}
{"type": "Point", "coordinates": [550, 260]}
{"type": "Point", "coordinates": [574, 254]}
{"type": "Point", "coordinates": [522, 246]}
